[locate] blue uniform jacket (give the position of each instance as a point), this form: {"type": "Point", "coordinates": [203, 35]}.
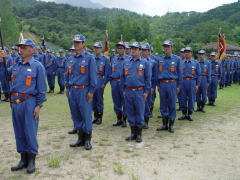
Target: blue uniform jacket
{"type": "Point", "coordinates": [191, 69]}
{"type": "Point", "coordinates": [103, 68]}
{"type": "Point", "coordinates": [81, 70]}
{"type": "Point", "coordinates": [205, 66]}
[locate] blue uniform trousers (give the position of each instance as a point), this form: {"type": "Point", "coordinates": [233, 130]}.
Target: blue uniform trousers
{"type": "Point", "coordinates": [212, 89]}
{"type": "Point", "coordinates": [117, 96]}
{"type": "Point", "coordinates": [81, 110]}
{"type": "Point", "coordinates": [202, 91]}
{"type": "Point", "coordinates": [134, 107]}
{"type": "Point", "coordinates": [98, 96]}
{"type": "Point", "coordinates": [168, 97]}
{"type": "Point", "coordinates": [147, 112]}
{"type": "Point", "coordinates": [188, 95]}
{"type": "Point", "coordinates": [51, 78]}
{"type": "Point", "coordinates": [25, 126]}
{"type": "Point", "coordinates": [60, 75]}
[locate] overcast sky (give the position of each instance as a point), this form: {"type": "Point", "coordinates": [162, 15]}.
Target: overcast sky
{"type": "Point", "coordinates": [160, 7]}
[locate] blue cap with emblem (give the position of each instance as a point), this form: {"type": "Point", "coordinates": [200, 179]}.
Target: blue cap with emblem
{"type": "Point", "coordinates": [213, 53]}
{"type": "Point", "coordinates": [49, 50]}
{"type": "Point", "coordinates": [146, 46]}
{"type": "Point", "coordinates": [14, 48]}
{"type": "Point", "coordinates": [98, 45]}
{"type": "Point", "coordinates": [27, 42]}
{"type": "Point", "coordinates": [72, 48]}
{"type": "Point", "coordinates": [201, 51]}
{"type": "Point", "coordinates": [167, 43]}
{"type": "Point", "coordinates": [188, 49]}
{"type": "Point", "coordinates": [38, 47]}
{"type": "Point", "coordinates": [79, 38]}
{"type": "Point", "coordinates": [136, 44]}
{"type": "Point", "coordinates": [127, 45]}
{"type": "Point", "coordinates": [182, 50]}
{"type": "Point", "coordinates": [61, 51]}
{"type": "Point", "coordinates": [121, 43]}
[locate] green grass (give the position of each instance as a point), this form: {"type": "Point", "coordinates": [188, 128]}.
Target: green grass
{"type": "Point", "coordinates": [118, 169]}
{"type": "Point", "coordinates": [54, 162]}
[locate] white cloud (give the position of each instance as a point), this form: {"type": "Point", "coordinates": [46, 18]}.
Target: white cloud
{"type": "Point", "coordinates": [160, 7]}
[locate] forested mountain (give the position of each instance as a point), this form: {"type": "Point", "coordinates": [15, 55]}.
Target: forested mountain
{"type": "Point", "coordinates": [80, 3]}
{"type": "Point", "coordinates": [58, 22]}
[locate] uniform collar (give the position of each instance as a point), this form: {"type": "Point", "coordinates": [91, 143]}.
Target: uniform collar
{"type": "Point", "coordinates": [187, 60]}
{"type": "Point", "coordinates": [99, 57]}
{"type": "Point", "coordinates": [30, 62]}
{"type": "Point", "coordinates": [165, 56]}
{"type": "Point", "coordinates": [82, 54]}
{"type": "Point", "coordinates": [138, 59]}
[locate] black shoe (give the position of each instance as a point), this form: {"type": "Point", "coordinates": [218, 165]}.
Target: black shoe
{"type": "Point", "coordinates": [73, 131]}
{"type": "Point", "coordinates": [213, 102]}
{"type": "Point", "coordinates": [151, 111]}
{"type": "Point", "coordinates": [202, 107]}
{"type": "Point", "coordinates": [87, 143]}
{"type": "Point", "coordinates": [95, 114]}
{"type": "Point", "coordinates": [119, 119]}
{"type": "Point", "coordinates": [80, 140]}
{"type": "Point", "coordinates": [31, 163]}
{"type": "Point", "coordinates": [164, 126]}
{"type": "Point", "coordinates": [198, 107]}
{"type": "Point", "coordinates": [22, 163]}
{"type": "Point", "coordinates": [133, 134]}
{"type": "Point", "coordinates": [99, 120]}
{"type": "Point", "coordinates": [146, 122]}
{"type": "Point", "coordinates": [171, 130]}
{"type": "Point", "coordinates": [189, 117]}
{"type": "Point", "coordinates": [184, 115]}
{"type": "Point", "coordinates": [138, 134]}
{"type": "Point", "coordinates": [160, 116]}
{"type": "Point", "coordinates": [124, 121]}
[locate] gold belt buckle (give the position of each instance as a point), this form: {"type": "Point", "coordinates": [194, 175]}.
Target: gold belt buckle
{"type": "Point", "coordinates": [18, 101]}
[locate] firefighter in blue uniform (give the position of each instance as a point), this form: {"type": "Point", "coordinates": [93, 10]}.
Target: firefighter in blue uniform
{"type": "Point", "coordinates": [205, 79]}
{"type": "Point", "coordinates": [146, 49]}
{"type": "Point", "coordinates": [103, 70]}
{"type": "Point", "coordinates": [60, 61]}
{"type": "Point", "coordinates": [15, 55]}
{"type": "Point", "coordinates": [238, 69]}
{"type": "Point", "coordinates": [115, 81]}
{"type": "Point", "coordinates": [51, 68]}
{"type": "Point", "coordinates": [235, 67]}
{"type": "Point", "coordinates": [216, 73]}
{"type": "Point", "coordinates": [182, 57]}
{"type": "Point", "coordinates": [136, 82]}
{"type": "Point", "coordinates": [28, 90]}
{"type": "Point", "coordinates": [224, 73]}
{"type": "Point", "coordinates": [169, 75]}
{"type": "Point", "coordinates": [191, 82]}
{"type": "Point", "coordinates": [81, 82]}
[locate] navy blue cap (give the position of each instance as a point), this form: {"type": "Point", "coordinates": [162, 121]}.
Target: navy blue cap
{"type": "Point", "coordinates": [121, 43]}
{"type": "Point", "coordinates": [79, 38]}
{"type": "Point", "coordinates": [201, 52]}
{"type": "Point", "coordinates": [182, 50]}
{"type": "Point", "coordinates": [98, 45]}
{"type": "Point", "coordinates": [136, 44]}
{"type": "Point", "coordinates": [188, 49]}
{"type": "Point", "coordinates": [146, 46]}
{"type": "Point", "coordinates": [127, 45]}
{"type": "Point", "coordinates": [213, 53]}
{"type": "Point", "coordinates": [61, 51]}
{"type": "Point", "coordinates": [167, 43]}
{"type": "Point", "coordinates": [27, 42]}
{"type": "Point", "coordinates": [49, 50]}
{"type": "Point", "coordinates": [38, 47]}
{"type": "Point", "coordinates": [14, 48]}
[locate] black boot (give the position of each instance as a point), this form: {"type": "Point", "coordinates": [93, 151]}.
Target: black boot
{"type": "Point", "coordinates": [31, 163]}
{"type": "Point", "coordinates": [138, 134]}
{"type": "Point", "coordinates": [80, 140]}
{"type": "Point", "coordinates": [189, 117]}
{"type": "Point", "coordinates": [73, 131]}
{"type": "Point", "coordinates": [213, 102]}
{"type": "Point", "coordinates": [87, 144]}
{"type": "Point", "coordinates": [202, 107]}
{"type": "Point", "coordinates": [6, 97]}
{"type": "Point", "coordinates": [124, 121]}
{"type": "Point", "coordinates": [198, 107]}
{"type": "Point", "coordinates": [51, 90]}
{"type": "Point", "coordinates": [22, 163]}
{"type": "Point", "coordinates": [184, 115]}
{"type": "Point", "coordinates": [171, 130]}
{"type": "Point", "coordinates": [119, 119]}
{"type": "Point", "coordinates": [61, 90]}
{"type": "Point", "coordinates": [209, 102]}
{"type": "Point", "coordinates": [0, 95]}
{"type": "Point", "coordinates": [99, 120]}
{"type": "Point", "coordinates": [133, 134]}
{"type": "Point", "coordinates": [165, 124]}
{"type": "Point", "coordinates": [95, 114]}
{"type": "Point", "coordinates": [146, 119]}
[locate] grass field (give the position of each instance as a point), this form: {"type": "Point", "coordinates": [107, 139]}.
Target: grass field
{"type": "Point", "coordinates": [207, 148]}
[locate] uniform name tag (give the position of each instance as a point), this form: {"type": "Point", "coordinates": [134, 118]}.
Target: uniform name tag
{"type": "Point", "coordinates": [29, 70]}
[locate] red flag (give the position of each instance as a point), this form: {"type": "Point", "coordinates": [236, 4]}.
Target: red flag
{"type": "Point", "coordinates": [106, 45]}
{"type": "Point", "coordinates": [222, 46]}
